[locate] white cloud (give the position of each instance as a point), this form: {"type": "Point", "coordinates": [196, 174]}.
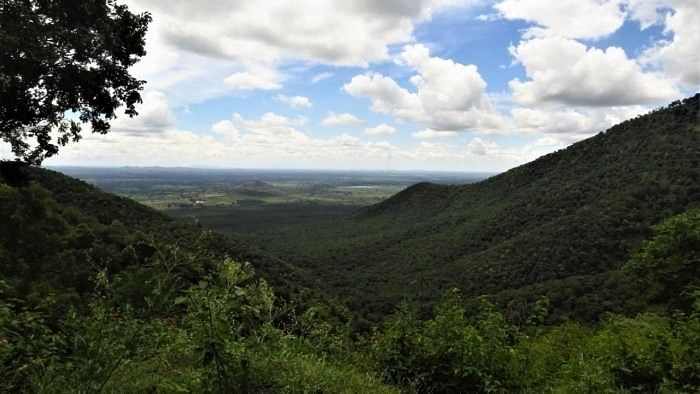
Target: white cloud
{"type": "Point", "coordinates": [386, 95]}
{"type": "Point", "coordinates": [344, 119]}
{"type": "Point", "coordinates": [154, 116]}
{"type": "Point", "coordinates": [321, 77]}
{"type": "Point", "coordinates": [574, 122]}
{"type": "Point", "coordinates": [546, 141]}
{"type": "Point", "coordinates": [295, 101]}
{"type": "Point", "coordinates": [192, 46]}
{"type": "Point", "coordinates": [488, 17]}
{"type": "Point", "coordinates": [480, 147]}
{"type": "Point", "coordinates": [571, 90]}
{"type": "Point", "coordinates": [566, 71]}
{"type": "Point", "coordinates": [442, 84]}
{"type": "Point", "coordinates": [679, 57]}
{"type": "Point", "coordinates": [587, 19]}
{"type": "Point", "coordinates": [227, 130]}
{"type": "Point", "coordinates": [646, 12]}
{"type": "Point", "coordinates": [558, 100]}
{"type": "Point", "coordinates": [449, 95]}
{"type": "Point", "coordinates": [551, 121]}
{"type": "Point", "coordinates": [380, 129]}
{"type": "Point", "coordinates": [435, 151]}
{"type": "Point", "coordinates": [430, 133]}
{"type": "Point", "coordinates": [275, 141]}
{"type": "Point", "coordinates": [269, 141]}
{"type": "Point", "coordinates": [258, 78]}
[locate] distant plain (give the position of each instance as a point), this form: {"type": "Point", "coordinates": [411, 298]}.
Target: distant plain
{"type": "Point", "coordinates": [248, 202]}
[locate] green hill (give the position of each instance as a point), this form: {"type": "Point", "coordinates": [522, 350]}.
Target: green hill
{"type": "Point", "coordinates": [564, 220]}
{"type": "Point", "coordinates": [57, 231]}
{"type": "Point", "coordinates": [101, 294]}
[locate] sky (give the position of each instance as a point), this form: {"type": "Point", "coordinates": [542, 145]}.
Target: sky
{"type": "Point", "coordinates": [459, 85]}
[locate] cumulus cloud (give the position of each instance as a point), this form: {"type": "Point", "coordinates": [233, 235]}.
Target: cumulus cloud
{"type": "Point", "coordinates": [679, 56]}
{"type": "Point", "coordinates": [275, 141]}
{"type": "Point", "coordinates": [192, 46]}
{"type": "Point", "coordinates": [586, 19]}
{"type": "Point", "coordinates": [442, 84]}
{"type": "Point", "coordinates": [646, 12]}
{"type": "Point", "coordinates": [154, 116]}
{"type": "Point", "coordinates": [448, 95]}
{"type": "Point", "coordinates": [430, 133]}
{"type": "Point", "coordinates": [225, 128]}
{"type": "Point", "coordinates": [257, 78]}
{"type": "Point", "coordinates": [566, 71]}
{"type": "Point", "coordinates": [340, 33]}
{"type": "Point", "coordinates": [199, 50]}
{"type": "Point", "coordinates": [386, 95]}
{"type": "Point", "coordinates": [380, 129]}
{"type": "Point", "coordinates": [480, 147]}
{"type": "Point", "coordinates": [344, 119]}
{"type": "Point", "coordinates": [295, 101]}
{"type": "Point", "coordinates": [575, 122]}
{"type": "Point", "coordinates": [269, 141]}
{"type": "Point", "coordinates": [583, 92]}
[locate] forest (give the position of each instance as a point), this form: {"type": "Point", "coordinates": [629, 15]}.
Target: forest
{"type": "Point", "coordinates": [100, 293]}
{"type": "Point", "coordinates": [559, 226]}
{"type": "Point", "coordinates": [578, 272]}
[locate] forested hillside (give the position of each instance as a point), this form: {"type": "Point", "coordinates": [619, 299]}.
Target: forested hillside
{"type": "Point", "coordinates": [92, 307]}
{"type": "Point", "coordinates": [58, 231]}
{"type": "Point", "coordinates": [559, 225]}
{"type": "Point", "coordinates": [101, 294]}
{"type": "Point", "coordinates": [578, 272]}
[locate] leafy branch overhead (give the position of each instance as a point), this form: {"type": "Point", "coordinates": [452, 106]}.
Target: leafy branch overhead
{"type": "Point", "coordinates": [64, 64]}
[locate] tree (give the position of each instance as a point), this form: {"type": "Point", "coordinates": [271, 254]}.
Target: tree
{"type": "Point", "coordinates": [64, 63]}
{"type": "Point", "coordinates": [669, 263]}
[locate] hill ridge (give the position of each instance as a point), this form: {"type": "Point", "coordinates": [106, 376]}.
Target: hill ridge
{"type": "Point", "coordinates": [693, 103]}
{"type": "Point", "coordinates": [578, 211]}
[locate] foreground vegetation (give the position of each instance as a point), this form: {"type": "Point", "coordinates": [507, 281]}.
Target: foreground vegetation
{"type": "Point", "coordinates": [226, 332]}
{"type": "Point", "coordinates": [88, 306]}
{"type": "Point", "coordinates": [560, 226]}
{"type": "Point", "coordinates": [101, 294]}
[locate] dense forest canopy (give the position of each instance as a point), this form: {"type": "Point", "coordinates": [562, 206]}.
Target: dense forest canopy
{"type": "Point", "coordinates": [99, 293]}
{"type": "Point", "coordinates": [577, 272]}
{"type": "Point", "coordinates": [560, 226]}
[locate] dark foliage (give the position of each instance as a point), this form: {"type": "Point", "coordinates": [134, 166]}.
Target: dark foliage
{"type": "Point", "coordinates": [561, 224]}
{"type": "Point", "coordinates": [65, 56]}
{"type": "Point", "coordinates": [99, 293]}
{"type": "Point", "coordinates": [56, 231]}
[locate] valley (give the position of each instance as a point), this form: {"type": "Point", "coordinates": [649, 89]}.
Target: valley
{"type": "Point", "coordinates": [582, 260]}
{"type": "Point", "coordinates": [252, 203]}
{"type": "Point", "coordinates": [377, 239]}
{"type": "Point", "coordinates": [437, 197]}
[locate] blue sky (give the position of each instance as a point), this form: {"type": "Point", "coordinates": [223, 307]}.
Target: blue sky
{"type": "Point", "coordinates": [462, 85]}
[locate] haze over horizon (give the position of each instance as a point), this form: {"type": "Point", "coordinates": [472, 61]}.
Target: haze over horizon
{"type": "Point", "coordinates": [458, 85]}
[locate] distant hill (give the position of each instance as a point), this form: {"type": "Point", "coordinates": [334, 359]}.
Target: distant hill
{"type": "Point", "coordinates": [565, 220]}
{"type": "Point", "coordinates": [257, 186]}
{"type": "Point", "coordinates": [101, 294]}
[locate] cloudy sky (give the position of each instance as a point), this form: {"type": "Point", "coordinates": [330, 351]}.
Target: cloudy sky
{"type": "Point", "coordinates": [394, 84]}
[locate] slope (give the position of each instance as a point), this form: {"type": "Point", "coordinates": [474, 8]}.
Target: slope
{"type": "Point", "coordinates": [57, 232]}
{"type": "Point", "coordinates": [564, 219]}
